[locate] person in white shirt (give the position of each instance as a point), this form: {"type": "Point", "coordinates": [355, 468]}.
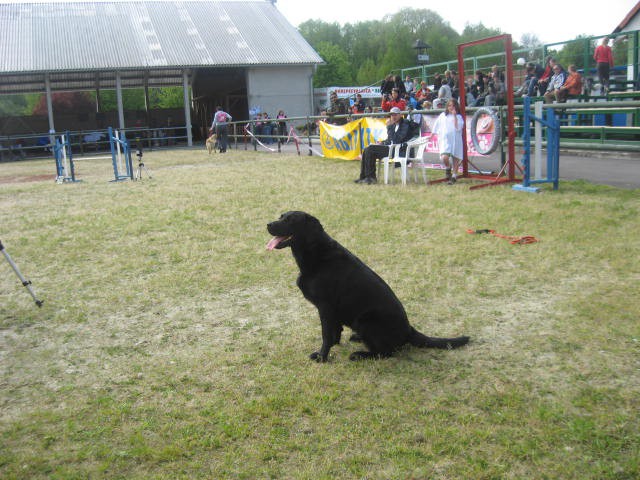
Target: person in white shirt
{"type": "Point", "coordinates": [448, 127]}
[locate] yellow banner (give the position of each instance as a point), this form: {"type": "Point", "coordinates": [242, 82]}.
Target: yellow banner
{"type": "Point", "coordinates": [346, 142]}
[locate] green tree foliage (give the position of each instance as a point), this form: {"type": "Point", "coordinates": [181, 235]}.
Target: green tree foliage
{"type": "Point", "coordinates": [367, 73]}
{"type": "Point", "coordinates": [167, 97]}
{"type": "Point", "coordinates": [365, 52]}
{"type": "Point", "coordinates": [13, 105]}
{"type": "Point", "coordinates": [337, 70]}
{"type": "Point", "coordinates": [620, 49]}
{"type": "Point", "coordinates": [573, 53]}
{"type": "Point", "coordinates": [317, 31]}
{"type": "Point", "coordinates": [132, 99]}
{"type": "Point", "coordinates": [479, 31]}
{"type": "Point", "coordinates": [532, 44]}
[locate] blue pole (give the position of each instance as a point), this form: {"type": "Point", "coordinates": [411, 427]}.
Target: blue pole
{"type": "Point", "coordinates": [526, 139]}
{"type": "Point", "coordinates": [56, 151]}
{"type": "Point", "coordinates": [113, 154]}
{"type": "Point", "coordinates": [70, 153]}
{"type": "Point", "coordinates": [556, 157]}
{"type": "Point", "coordinates": [127, 155]}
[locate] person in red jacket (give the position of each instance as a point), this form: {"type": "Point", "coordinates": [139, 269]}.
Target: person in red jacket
{"type": "Point", "coordinates": [543, 80]}
{"type": "Point", "coordinates": [604, 61]}
{"type": "Point", "coordinates": [394, 101]}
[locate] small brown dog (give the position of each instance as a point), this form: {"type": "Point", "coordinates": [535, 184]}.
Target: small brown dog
{"type": "Point", "coordinates": [212, 143]}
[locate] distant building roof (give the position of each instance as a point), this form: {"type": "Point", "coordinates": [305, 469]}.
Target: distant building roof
{"type": "Point", "coordinates": [85, 37]}
{"type": "Point", "coordinates": [628, 19]}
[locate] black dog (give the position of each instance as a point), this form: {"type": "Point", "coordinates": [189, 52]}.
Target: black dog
{"type": "Point", "coordinates": [347, 292]}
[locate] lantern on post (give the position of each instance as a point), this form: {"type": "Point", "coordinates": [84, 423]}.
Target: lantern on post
{"type": "Point", "coordinates": [421, 50]}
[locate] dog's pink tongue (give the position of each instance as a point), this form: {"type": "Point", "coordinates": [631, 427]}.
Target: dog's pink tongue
{"type": "Point", "coordinates": [274, 242]}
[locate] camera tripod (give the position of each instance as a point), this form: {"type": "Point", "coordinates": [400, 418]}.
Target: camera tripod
{"type": "Point", "coordinates": [25, 283]}
{"type": "Point", "coordinates": [141, 167]}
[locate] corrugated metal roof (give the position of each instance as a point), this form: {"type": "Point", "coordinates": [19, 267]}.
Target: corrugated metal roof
{"type": "Point", "coordinates": [145, 35]}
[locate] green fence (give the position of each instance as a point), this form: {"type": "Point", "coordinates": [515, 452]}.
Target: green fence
{"type": "Point", "coordinates": [578, 52]}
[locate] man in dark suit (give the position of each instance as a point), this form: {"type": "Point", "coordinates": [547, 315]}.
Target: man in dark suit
{"type": "Point", "coordinates": [397, 133]}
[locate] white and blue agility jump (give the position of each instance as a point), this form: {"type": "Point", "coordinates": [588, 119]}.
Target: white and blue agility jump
{"type": "Point", "coordinates": [120, 156]}
{"type": "Point", "coordinates": [552, 123]}
{"type": "Point", "coordinates": [65, 169]}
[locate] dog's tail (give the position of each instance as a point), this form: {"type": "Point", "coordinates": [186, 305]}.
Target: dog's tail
{"type": "Point", "coordinates": [418, 339]}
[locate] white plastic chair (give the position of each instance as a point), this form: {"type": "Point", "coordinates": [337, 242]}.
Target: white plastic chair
{"type": "Point", "coordinates": [415, 157]}
{"type": "Point", "coordinates": [393, 157]}
{"type": "Point", "coordinates": [414, 152]}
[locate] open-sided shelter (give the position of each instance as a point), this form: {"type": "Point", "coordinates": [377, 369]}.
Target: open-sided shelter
{"type": "Point", "coordinates": [239, 54]}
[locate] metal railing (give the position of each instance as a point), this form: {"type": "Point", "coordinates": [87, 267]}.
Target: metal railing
{"type": "Point", "coordinates": [584, 125]}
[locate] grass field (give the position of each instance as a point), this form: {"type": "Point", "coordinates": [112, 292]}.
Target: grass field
{"type": "Point", "coordinates": [171, 344]}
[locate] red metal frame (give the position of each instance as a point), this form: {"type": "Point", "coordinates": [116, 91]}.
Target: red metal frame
{"type": "Point", "coordinates": [510, 165]}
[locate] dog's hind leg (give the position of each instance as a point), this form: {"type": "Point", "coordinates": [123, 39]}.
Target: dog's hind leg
{"type": "Point", "coordinates": [362, 355]}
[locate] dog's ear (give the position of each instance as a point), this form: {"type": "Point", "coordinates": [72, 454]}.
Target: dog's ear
{"type": "Point", "coordinates": [313, 224]}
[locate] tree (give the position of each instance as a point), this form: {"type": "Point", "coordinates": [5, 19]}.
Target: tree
{"type": "Point", "coordinates": [132, 99]}
{"type": "Point", "coordinates": [533, 45]}
{"type": "Point", "coordinates": [367, 73]}
{"type": "Point", "coordinates": [167, 97]}
{"type": "Point", "coordinates": [316, 32]}
{"type": "Point", "coordinates": [13, 105]}
{"type": "Point", "coordinates": [575, 52]}
{"type": "Point", "coordinates": [65, 102]}
{"type": "Point", "coordinates": [336, 71]}
{"type": "Point", "coordinates": [478, 31]}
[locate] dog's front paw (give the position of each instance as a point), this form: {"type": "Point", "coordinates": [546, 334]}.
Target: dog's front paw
{"type": "Point", "coordinates": [318, 357]}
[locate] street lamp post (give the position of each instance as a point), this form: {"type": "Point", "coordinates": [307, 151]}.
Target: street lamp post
{"type": "Point", "coordinates": [421, 50]}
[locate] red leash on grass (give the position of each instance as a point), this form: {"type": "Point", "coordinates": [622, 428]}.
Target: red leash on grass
{"type": "Point", "coordinates": [513, 240]}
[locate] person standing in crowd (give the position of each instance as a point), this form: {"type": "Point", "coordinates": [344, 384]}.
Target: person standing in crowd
{"type": "Point", "coordinates": [394, 101]}
{"type": "Point", "coordinates": [603, 55]}
{"type": "Point", "coordinates": [397, 133]}
{"type": "Point", "coordinates": [267, 129]}
{"type": "Point", "coordinates": [358, 104]}
{"type": "Point", "coordinates": [448, 127]}
{"type": "Point", "coordinates": [437, 82]}
{"type": "Point", "coordinates": [282, 124]}
{"type": "Point", "coordinates": [220, 127]}
{"type": "Point", "coordinates": [387, 85]}
{"type": "Point", "coordinates": [408, 84]}
{"type": "Point", "coordinates": [399, 84]}
{"type": "Point", "coordinates": [337, 107]}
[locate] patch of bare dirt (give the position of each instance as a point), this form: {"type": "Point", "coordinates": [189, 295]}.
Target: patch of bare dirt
{"type": "Point", "coordinates": [26, 178]}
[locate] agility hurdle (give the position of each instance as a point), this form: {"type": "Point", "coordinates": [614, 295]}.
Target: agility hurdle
{"type": "Point", "coordinates": [553, 147]}
{"type": "Point", "coordinates": [65, 169]}
{"type": "Point", "coordinates": [120, 156]}
{"type": "Point", "coordinates": [509, 167]}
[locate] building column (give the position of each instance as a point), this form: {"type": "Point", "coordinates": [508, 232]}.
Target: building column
{"type": "Point", "coordinates": [47, 84]}
{"type": "Point", "coordinates": [119, 99]}
{"type": "Point", "coordinates": [187, 107]}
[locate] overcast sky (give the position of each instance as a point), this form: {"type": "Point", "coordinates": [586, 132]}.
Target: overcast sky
{"type": "Point", "coordinates": [551, 22]}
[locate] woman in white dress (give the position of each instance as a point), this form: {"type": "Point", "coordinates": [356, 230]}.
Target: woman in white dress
{"type": "Point", "coordinates": [448, 127]}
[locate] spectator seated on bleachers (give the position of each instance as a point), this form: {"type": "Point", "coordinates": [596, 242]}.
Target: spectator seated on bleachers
{"type": "Point", "coordinates": [572, 86]}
